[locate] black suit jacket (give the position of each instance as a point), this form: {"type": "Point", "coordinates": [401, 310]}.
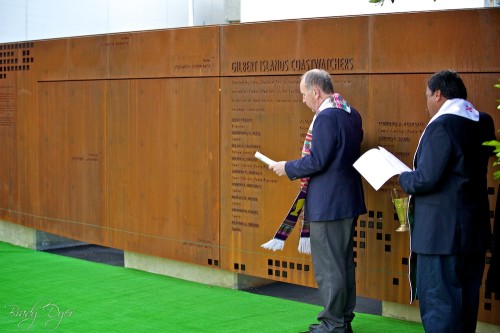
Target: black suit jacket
{"type": "Point", "coordinates": [335, 188]}
{"type": "Point", "coordinates": [449, 187]}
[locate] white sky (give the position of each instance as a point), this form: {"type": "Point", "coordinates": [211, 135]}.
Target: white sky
{"type": "Point", "coordinates": [265, 10]}
{"type": "Point", "coordinates": [43, 19]}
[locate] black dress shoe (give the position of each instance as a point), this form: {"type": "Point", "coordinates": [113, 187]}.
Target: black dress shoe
{"type": "Point", "coordinates": [312, 327]}
{"type": "Point", "coordinates": [348, 329]}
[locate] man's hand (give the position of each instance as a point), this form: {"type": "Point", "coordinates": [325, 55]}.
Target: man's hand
{"type": "Point", "coordinates": [279, 168]}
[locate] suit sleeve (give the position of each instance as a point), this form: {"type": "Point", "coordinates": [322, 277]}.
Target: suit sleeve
{"type": "Point", "coordinates": [432, 161]}
{"type": "Point", "coordinates": [322, 148]}
{"type": "Point", "coordinates": [488, 132]}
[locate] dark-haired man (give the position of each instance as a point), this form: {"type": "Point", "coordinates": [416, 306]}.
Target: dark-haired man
{"type": "Point", "coordinates": [451, 224]}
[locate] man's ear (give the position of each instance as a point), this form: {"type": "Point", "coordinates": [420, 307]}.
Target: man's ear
{"type": "Point", "coordinates": [316, 92]}
{"type": "Point", "coordinates": [437, 95]}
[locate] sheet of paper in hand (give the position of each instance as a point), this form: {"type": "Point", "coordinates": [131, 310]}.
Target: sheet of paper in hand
{"type": "Point", "coordinates": [264, 158]}
{"type": "Point", "coordinates": [378, 165]}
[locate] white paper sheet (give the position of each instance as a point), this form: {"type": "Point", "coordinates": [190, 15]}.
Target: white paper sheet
{"type": "Point", "coordinates": [378, 165]}
{"type": "Point", "coordinates": [264, 158]}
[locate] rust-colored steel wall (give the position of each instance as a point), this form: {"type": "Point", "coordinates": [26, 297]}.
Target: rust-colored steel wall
{"type": "Point", "coordinates": [114, 140]}
{"type": "Point", "coordinates": [144, 141]}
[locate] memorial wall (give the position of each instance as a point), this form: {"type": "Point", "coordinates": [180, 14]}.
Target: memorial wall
{"type": "Point", "coordinates": [145, 141]}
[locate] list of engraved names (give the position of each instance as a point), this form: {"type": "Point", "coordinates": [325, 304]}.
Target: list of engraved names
{"type": "Point", "coordinates": [255, 103]}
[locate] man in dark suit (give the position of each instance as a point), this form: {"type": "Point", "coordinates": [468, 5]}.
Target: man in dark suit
{"type": "Point", "coordinates": [334, 197]}
{"type": "Point", "coordinates": [451, 229]}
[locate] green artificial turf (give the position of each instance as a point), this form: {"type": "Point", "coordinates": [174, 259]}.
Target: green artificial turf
{"type": "Point", "coordinates": [42, 292]}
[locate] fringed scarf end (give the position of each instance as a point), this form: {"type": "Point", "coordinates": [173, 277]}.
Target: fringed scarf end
{"type": "Point", "coordinates": [305, 245]}
{"type": "Point", "coordinates": [274, 244]}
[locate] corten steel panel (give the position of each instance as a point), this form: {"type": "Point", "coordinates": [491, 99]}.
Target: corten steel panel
{"type": "Point", "coordinates": [51, 60]}
{"type": "Point", "coordinates": [167, 53]}
{"type": "Point", "coordinates": [9, 120]}
{"type": "Point", "coordinates": [465, 40]}
{"type": "Point", "coordinates": [67, 59]}
{"type": "Point", "coordinates": [70, 159]}
{"type": "Point", "coordinates": [16, 125]}
{"type": "Point", "coordinates": [394, 117]}
{"type": "Point", "coordinates": [405, 43]}
{"type": "Point", "coordinates": [117, 148]}
{"type": "Point", "coordinates": [338, 46]}
{"type": "Point", "coordinates": [87, 58]}
{"type": "Point", "coordinates": [163, 166]}
{"type": "Point", "coordinates": [27, 103]}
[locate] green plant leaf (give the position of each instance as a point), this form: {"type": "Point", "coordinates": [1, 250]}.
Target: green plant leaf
{"type": "Point", "coordinates": [495, 143]}
{"type": "Point", "coordinates": [492, 143]}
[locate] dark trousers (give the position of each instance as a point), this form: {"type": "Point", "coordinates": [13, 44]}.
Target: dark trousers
{"type": "Point", "coordinates": [333, 262]}
{"type": "Point", "coordinates": [448, 291]}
